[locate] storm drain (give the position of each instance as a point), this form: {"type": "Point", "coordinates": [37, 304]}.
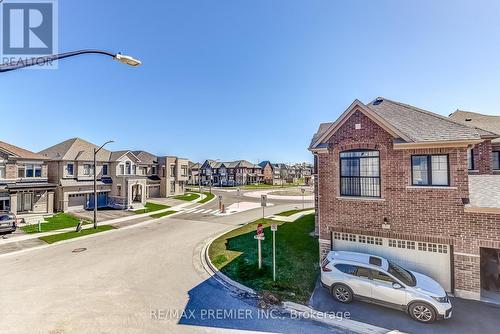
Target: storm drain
{"type": "Point", "coordinates": [78, 250]}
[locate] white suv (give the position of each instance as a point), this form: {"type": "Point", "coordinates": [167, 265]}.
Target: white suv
{"type": "Point", "coordinates": [372, 278]}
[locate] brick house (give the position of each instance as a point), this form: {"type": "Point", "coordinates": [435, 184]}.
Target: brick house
{"type": "Point", "coordinates": [24, 186]}
{"type": "Point", "coordinates": [393, 180]}
{"type": "Point", "coordinates": [230, 173]}
{"type": "Point", "coordinates": [267, 171]}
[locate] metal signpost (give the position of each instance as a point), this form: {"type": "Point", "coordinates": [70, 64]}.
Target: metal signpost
{"type": "Point", "coordinates": [220, 203]}
{"type": "Point", "coordinates": [274, 228]}
{"type": "Point", "coordinates": [259, 237]}
{"type": "Point", "coordinates": [263, 203]}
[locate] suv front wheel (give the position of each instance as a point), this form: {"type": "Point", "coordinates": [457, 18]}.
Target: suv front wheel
{"type": "Point", "coordinates": [342, 293]}
{"type": "Point", "coordinates": [422, 312]}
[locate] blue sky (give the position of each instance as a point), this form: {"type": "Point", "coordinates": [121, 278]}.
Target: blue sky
{"type": "Point", "coordinates": [234, 79]}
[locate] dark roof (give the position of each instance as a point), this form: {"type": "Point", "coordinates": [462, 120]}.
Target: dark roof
{"type": "Point", "coordinates": [421, 125]}
{"type": "Point", "coordinates": [20, 152]}
{"type": "Point", "coordinates": [487, 125]}
{"type": "Point", "coordinates": [264, 163]}
{"type": "Point", "coordinates": [412, 124]}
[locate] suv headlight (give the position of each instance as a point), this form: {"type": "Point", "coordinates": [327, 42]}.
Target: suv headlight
{"type": "Point", "coordinates": [441, 299]}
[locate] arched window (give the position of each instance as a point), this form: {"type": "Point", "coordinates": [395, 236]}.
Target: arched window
{"type": "Point", "coordinates": [360, 173]}
{"type": "Point", "coordinates": [127, 168]}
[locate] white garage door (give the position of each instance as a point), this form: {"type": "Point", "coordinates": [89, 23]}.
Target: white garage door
{"type": "Point", "coordinates": [430, 259]}
{"type": "Point", "coordinates": [154, 191]}
{"type": "Point", "coordinates": [76, 201]}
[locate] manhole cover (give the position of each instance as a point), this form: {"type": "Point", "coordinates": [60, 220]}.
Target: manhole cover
{"type": "Point", "coordinates": [78, 250]}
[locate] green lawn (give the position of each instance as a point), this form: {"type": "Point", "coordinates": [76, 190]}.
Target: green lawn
{"type": "Point", "coordinates": [291, 212]}
{"type": "Point", "coordinates": [163, 214]}
{"type": "Point", "coordinates": [187, 197]}
{"type": "Point", "coordinates": [50, 239]}
{"type": "Point", "coordinates": [208, 198]}
{"type": "Point", "coordinates": [235, 254]}
{"type": "Point", "coordinates": [56, 222]}
{"type": "Point", "coordinates": [150, 207]}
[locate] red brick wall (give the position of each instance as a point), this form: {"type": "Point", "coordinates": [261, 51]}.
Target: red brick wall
{"type": "Point", "coordinates": [414, 213]}
{"type": "Point", "coordinates": [483, 158]}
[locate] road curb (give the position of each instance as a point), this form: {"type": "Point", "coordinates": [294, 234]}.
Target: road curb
{"type": "Point", "coordinates": [288, 307]}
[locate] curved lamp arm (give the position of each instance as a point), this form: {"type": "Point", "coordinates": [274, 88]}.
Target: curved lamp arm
{"type": "Point", "coordinates": [128, 60]}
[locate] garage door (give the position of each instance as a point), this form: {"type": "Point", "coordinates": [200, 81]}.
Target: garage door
{"type": "Point", "coordinates": [154, 191]}
{"type": "Point", "coordinates": [76, 201]}
{"type": "Point", "coordinates": [430, 259]}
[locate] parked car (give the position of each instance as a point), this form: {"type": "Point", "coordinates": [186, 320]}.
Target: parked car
{"type": "Point", "coordinates": [351, 275]}
{"type": "Point", "coordinates": [8, 222]}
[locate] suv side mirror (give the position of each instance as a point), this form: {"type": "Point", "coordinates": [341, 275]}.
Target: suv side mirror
{"type": "Point", "coordinates": [396, 285]}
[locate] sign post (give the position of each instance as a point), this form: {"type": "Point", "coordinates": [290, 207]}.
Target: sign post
{"type": "Point", "coordinates": [259, 236]}
{"type": "Point", "coordinates": [220, 203]}
{"type": "Point", "coordinates": [274, 228]}
{"type": "Point", "coordinates": [263, 203]}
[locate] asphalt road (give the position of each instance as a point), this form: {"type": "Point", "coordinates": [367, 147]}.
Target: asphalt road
{"type": "Point", "coordinates": [134, 280]}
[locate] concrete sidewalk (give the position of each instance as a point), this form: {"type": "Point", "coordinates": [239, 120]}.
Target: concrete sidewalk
{"type": "Point", "coordinates": [291, 218]}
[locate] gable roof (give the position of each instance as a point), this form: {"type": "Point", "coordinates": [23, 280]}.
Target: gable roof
{"type": "Point", "coordinates": [405, 123]}
{"type": "Point", "coordinates": [146, 157]}
{"type": "Point", "coordinates": [116, 155]}
{"type": "Point", "coordinates": [75, 149]}
{"type": "Point", "coordinates": [18, 152]}
{"type": "Point", "coordinates": [264, 163]}
{"type": "Point", "coordinates": [487, 125]}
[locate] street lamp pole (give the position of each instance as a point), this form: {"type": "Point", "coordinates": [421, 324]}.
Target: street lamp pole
{"type": "Point", "coordinates": [95, 180]}
{"type": "Point", "coordinates": [128, 60]}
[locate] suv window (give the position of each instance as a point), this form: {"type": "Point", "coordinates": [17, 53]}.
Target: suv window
{"type": "Point", "coordinates": [346, 268]}
{"type": "Point", "coordinates": [363, 272]}
{"type": "Point", "coordinates": [6, 217]}
{"type": "Point", "coordinates": [380, 276]}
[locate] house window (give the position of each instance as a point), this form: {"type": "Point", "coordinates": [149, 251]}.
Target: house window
{"type": "Point", "coordinates": [134, 169]}
{"type": "Point", "coordinates": [153, 170]}
{"type": "Point", "coordinates": [430, 170]}
{"type": "Point", "coordinates": [470, 159]}
{"type": "Point", "coordinates": [172, 187]}
{"type": "Point", "coordinates": [122, 170]}
{"type": "Point", "coordinates": [105, 169]}
{"type": "Point", "coordinates": [38, 171]}
{"type": "Point", "coordinates": [70, 169]}
{"type": "Point", "coordinates": [360, 173]}
{"type": "Point", "coordinates": [184, 170]}
{"type": "Point", "coordinates": [496, 160]}
{"type": "Point", "coordinates": [29, 171]}
{"type": "Point", "coordinates": [127, 168]}
{"type": "Point", "coordinates": [172, 170]}
{"type": "Point", "coordinates": [2, 171]}
{"type": "Point", "coordinates": [119, 189]}
{"type": "Point", "coordinates": [20, 171]}
{"type": "Point", "coordinates": [87, 169]}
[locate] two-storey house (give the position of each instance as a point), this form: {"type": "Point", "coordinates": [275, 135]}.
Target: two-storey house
{"type": "Point", "coordinates": [24, 186]}
{"type": "Point", "coordinates": [393, 180]}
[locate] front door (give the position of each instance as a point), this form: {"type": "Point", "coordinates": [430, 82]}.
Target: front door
{"type": "Point", "coordinates": [24, 202]}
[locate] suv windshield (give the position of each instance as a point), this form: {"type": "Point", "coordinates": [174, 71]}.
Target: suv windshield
{"type": "Point", "coordinates": [402, 274]}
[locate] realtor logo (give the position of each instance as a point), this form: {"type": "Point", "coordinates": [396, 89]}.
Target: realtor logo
{"type": "Point", "coordinates": [28, 29]}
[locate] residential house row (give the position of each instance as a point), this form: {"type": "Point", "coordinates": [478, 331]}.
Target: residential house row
{"type": "Point", "coordinates": [60, 178]}
{"type": "Point", "coordinates": [242, 172]}
{"type": "Point", "coordinates": [415, 187]}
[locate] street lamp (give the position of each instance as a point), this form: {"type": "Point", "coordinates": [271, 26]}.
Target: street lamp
{"type": "Point", "coordinates": [124, 59]}
{"type": "Point", "coordinates": [95, 181]}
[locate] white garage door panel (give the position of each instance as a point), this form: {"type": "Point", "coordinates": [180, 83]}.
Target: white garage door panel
{"type": "Point", "coordinates": [76, 201]}
{"type": "Point", "coordinates": [154, 191]}
{"type": "Point", "coordinates": [430, 259]}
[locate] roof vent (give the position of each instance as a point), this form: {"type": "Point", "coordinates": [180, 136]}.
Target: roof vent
{"type": "Point", "coordinates": [378, 101]}
{"type": "Point", "coordinates": [468, 119]}
{"type": "Point", "coordinates": [376, 261]}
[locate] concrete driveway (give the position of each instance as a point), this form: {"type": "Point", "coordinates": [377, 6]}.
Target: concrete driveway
{"type": "Point", "coordinates": [468, 316]}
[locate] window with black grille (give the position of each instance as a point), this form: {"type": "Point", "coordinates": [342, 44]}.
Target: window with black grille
{"type": "Point", "coordinates": [360, 173]}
